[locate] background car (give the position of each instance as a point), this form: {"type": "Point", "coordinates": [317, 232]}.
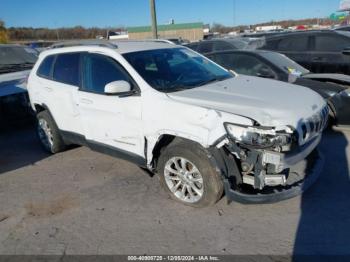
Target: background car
{"type": "Point", "coordinates": [40, 46]}
{"type": "Point", "coordinates": [173, 41]}
{"type": "Point", "coordinates": [324, 51]}
{"type": "Point", "coordinates": [16, 62]}
{"type": "Point", "coordinates": [209, 46]}
{"type": "Point", "coordinates": [343, 28]}
{"type": "Point", "coordinates": [273, 65]}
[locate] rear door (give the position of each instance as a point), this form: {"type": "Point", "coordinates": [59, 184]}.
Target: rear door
{"type": "Point", "coordinates": [110, 121]}
{"type": "Point", "coordinates": [296, 47]}
{"type": "Point", "coordinates": [326, 54]}
{"type": "Point", "coordinates": [59, 80]}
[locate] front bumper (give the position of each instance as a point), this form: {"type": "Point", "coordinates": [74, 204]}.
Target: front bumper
{"type": "Point", "coordinates": [296, 184]}
{"type": "Point", "coordinates": [300, 168]}
{"type": "Point", "coordinates": [282, 161]}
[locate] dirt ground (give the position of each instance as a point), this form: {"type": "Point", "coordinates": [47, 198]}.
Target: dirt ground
{"type": "Point", "coordinates": [82, 202]}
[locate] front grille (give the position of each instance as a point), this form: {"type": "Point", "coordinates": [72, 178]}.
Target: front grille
{"type": "Point", "coordinates": [314, 125]}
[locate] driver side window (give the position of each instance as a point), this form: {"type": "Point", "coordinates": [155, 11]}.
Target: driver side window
{"type": "Point", "coordinates": [98, 71]}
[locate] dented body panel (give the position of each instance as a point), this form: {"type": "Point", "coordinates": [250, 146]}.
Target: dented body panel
{"type": "Point", "coordinates": [136, 124]}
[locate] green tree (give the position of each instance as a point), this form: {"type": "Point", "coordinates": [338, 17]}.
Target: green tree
{"type": "Point", "coordinates": [3, 33]}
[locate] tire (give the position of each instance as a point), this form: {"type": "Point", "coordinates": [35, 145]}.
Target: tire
{"type": "Point", "coordinates": [49, 134]}
{"type": "Point", "coordinates": [201, 189]}
{"type": "Point", "coordinates": [332, 120]}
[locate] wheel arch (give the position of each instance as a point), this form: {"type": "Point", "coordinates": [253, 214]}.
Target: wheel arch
{"type": "Point", "coordinates": [41, 107]}
{"type": "Point", "coordinates": [155, 145]}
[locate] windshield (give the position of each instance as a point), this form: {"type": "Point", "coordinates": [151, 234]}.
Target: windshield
{"type": "Point", "coordinates": [239, 44]}
{"type": "Point", "coordinates": [247, 43]}
{"type": "Point", "coordinates": [174, 69]}
{"type": "Point", "coordinates": [284, 63]}
{"type": "Point", "coordinates": [16, 55]}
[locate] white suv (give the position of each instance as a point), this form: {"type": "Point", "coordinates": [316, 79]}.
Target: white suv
{"type": "Point", "coordinates": [201, 128]}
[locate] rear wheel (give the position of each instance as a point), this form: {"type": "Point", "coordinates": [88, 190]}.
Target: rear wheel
{"type": "Point", "coordinates": [187, 175]}
{"type": "Point", "coordinates": [49, 134]}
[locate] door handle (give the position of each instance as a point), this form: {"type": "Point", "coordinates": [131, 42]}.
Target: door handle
{"type": "Point", "coordinates": [86, 101]}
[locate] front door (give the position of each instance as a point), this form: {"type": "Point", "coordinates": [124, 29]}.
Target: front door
{"type": "Point", "coordinates": [109, 121]}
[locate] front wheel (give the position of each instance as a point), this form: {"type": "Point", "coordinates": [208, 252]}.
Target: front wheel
{"type": "Point", "coordinates": [187, 175]}
{"type": "Point", "coordinates": [49, 134]}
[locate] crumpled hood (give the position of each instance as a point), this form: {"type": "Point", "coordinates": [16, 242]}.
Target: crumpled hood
{"type": "Point", "coordinates": [269, 102]}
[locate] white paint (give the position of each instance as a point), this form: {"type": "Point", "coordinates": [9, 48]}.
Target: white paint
{"type": "Point", "coordinates": [198, 114]}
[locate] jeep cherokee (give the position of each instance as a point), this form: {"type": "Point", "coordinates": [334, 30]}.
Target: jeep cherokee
{"type": "Point", "coordinates": [201, 128]}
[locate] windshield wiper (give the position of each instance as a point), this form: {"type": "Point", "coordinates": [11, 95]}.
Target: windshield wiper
{"type": "Point", "coordinates": [174, 89]}
{"type": "Point", "coordinates": [211, 80]}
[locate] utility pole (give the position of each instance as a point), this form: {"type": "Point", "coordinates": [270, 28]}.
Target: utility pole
{"type": "Point", "coordinates": [154, 18]}
{"type": "Point", "coordinates": [234, 13]}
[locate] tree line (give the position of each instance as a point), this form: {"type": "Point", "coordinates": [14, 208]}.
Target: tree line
{"type": "Point", "coordinates": [3, 33]}
{"type": "Point", "coordinates": [78, 32]}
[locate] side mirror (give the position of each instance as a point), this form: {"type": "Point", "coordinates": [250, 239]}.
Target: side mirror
{"type": "Point", "coordinates": [346, 51]}
{"type": "Point", "coordinates": [265, 73]}
{"type": "Point", "coordinates": [117, 87]}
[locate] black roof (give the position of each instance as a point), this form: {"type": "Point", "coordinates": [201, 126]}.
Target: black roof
{"type": "Point", "coordinates": [303, 32]}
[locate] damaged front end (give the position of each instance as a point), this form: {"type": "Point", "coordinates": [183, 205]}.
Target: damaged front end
{"type": "Point", "coordinates": [265, 165]}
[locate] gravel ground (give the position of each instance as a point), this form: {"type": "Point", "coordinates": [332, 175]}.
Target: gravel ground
{"type": "Point", "coordinates": [83, 202]}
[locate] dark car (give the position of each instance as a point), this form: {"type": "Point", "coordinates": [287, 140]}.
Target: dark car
{"type": "Point", "coordinates": [16, 61]}
{"type": "Point", "coordinates": [323, 51]}
{"type": "Point", "coordinates": [212, 45]}
{"type": "Point", "coordinates": [343, 28]}
{"type": "Point", "coordinates": [40, 45]}
{"type": "Point", "coordinates": [178, 41]}
{"type": "Point", "coordinates": [335, 88]}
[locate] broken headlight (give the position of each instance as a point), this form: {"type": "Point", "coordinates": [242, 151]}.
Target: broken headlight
{"type": "Point", "coordinates": [258, 137]}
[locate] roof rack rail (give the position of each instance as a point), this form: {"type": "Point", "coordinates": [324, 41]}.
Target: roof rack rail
{"type": "Point", "coordinates": [102, 43]}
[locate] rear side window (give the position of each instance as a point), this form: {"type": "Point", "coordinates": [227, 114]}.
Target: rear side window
{"type": "Point", "coordinates": [100, 70]}
{"type": "Point", "coordinates": [193, 46]}
{"type": "Point", "coordinates": [45, 67]}
{"type": "Point", "coordinates": [206, 47]}
{"type": "Point", "coordinates": [66, 69]}
{"type": "Point", "coordinates": [222, 46]}
{"type": "Point", "coordinates": [294, 43]}
{"type": "Point", "coordinates": [331, 43]}
{"type": "Point", "coordinates": [271, 44]}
